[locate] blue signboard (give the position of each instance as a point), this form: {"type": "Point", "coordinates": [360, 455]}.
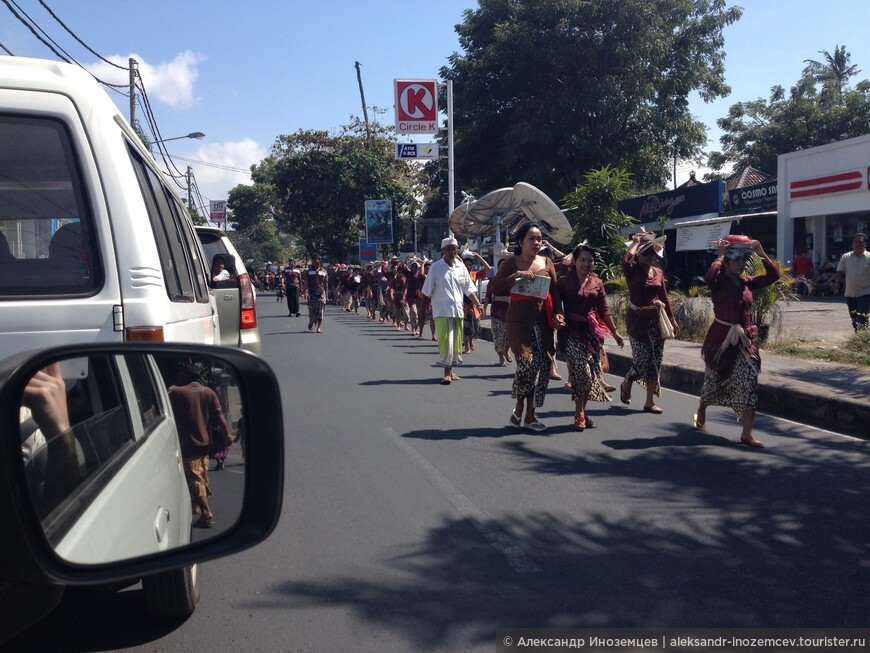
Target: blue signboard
{"type": "Point", "coordinates": [367, 251]}
{"type": "Point", "coordinates": [681, 203]}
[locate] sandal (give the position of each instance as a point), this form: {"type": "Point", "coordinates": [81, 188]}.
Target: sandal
{"type": "Point", "coordinates": [514, 420]}
{"type": "Point", "coordinates": [535, 426]}
{"type": "Point", "coordinates": [445, 380]}
{"type": "Point", "coordinates": [655, 410]}
{"type": "Point", "coordinates": [454, 377]}
{"type": "Point", "coordinates": [752, 442]}
{"type": "Point", "coordinates": [698, 426]}
{"type": "Point", "coordinates": [624, 397]}
{"type": "Point", "coordinates": [554, 376]}
{"type": "Point", "coordinates": [589, 423]}
{"type": "Point", "coordinates": [579, 423]}
{"type": "Point", "coordinates": [204, 522]}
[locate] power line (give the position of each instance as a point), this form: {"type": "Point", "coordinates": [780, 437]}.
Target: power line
{"type": "Point", "coordinates": [50, 43]}
{"type": "Point", "coordinates": [213, 165]}
{"type": "Point", "coordinates": [85, 45]}
{"type": "Point", "coordinates": [6, 50]}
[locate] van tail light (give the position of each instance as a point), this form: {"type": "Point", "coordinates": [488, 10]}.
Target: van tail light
{"type": "Point", "coordinates": [247, 305]}
{"type": "Point", "coordinates": [145, 334]}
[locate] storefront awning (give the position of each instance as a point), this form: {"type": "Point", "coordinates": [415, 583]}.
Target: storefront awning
{"type": "Point", "coordinates": [695, 221]}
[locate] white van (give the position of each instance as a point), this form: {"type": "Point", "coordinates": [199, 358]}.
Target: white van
{"type": "Point", "coordinates": [94, 243]}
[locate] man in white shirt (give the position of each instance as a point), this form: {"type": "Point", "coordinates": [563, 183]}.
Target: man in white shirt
{"type": "Point", "coordinates": [446, 284]}
{"type": "Point", "coordinates": [855, 266]}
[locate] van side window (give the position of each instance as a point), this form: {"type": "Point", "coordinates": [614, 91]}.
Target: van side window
{"type": "Point", "coordinates": [46, 225]}
{"type": "Point", "coordinates": [169, 233]}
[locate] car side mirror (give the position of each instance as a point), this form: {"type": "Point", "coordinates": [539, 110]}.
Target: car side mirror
{"type": "Point", "coordinates": [109, 457]}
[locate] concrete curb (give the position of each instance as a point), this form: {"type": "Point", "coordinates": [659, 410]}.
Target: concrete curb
{"type": "Point", "coordinates": [815, 406]}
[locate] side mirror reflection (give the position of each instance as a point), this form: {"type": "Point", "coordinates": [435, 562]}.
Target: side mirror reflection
{"type": "Point", "coordinates": [127, 455]}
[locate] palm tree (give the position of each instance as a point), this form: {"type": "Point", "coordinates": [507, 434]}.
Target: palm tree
{"type": "Point", "coordinates": [834, 71]}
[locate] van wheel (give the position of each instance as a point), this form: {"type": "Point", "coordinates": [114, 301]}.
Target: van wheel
{"type": "Point", "coordinates": [172, 593]}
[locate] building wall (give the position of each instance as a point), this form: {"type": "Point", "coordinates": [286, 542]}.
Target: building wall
{"type": "Point", "coordinates": [828, 187]}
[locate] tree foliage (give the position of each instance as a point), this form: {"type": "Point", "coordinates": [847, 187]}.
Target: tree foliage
{"type": "Point", "coordinates": [545, 90]}
{"type": "Point", "coordinates": [595, 218]}
{"type": "Point", "coordinates": [820, 108]}
{"type": "Point", "coordinates": [314, 185]}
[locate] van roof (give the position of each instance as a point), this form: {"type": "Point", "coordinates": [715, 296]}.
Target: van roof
{"type": "Point", "coordinates": [46, 75]}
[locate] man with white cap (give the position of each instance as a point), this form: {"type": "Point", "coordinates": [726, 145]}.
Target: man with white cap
{"type": "Point", "coordinates": [446, 284]}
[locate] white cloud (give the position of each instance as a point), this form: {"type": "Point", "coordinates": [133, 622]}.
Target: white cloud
{"type": "Point", "coordinates": [215, 182]}
{"type": "Point", "coordinates": [171, 83]}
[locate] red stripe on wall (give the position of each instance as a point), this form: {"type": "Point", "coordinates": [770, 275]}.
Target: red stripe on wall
{"type": "Point", "coordinates": [827, 190]}
{"type": "Point", "coordinates": [828, 179]}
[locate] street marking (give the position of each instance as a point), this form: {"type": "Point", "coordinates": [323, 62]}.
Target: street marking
{"type": "Point", "coordinates": [497, 538]}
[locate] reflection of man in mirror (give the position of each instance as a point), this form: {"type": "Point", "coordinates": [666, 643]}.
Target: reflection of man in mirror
{"type": "Point", "coordinates": [196, 408]}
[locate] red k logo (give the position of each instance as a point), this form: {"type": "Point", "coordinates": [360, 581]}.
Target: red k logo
{"type": "Point", "coordinates": [416, 106]}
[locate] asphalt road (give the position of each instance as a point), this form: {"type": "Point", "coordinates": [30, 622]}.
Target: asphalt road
{"type": "Point", "coordinates": [414, 519]}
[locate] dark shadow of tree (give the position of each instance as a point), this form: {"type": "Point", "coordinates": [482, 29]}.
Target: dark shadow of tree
{"type": "Point", "coordinates": [696, 537]}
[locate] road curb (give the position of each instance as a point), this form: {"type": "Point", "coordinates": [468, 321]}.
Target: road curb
{"type": "Point", "coordinates": [842, 414]}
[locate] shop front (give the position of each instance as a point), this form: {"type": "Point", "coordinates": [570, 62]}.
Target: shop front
{"type": "Point", "coordinates": [824, 198]}
{"type": "Point", "coordinates": [692, 218]}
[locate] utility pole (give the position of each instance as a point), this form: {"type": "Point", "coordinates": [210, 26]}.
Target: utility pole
{"type": "Point", "coordinates": [189, 193]}
{"type": "Point", "coordinates": [363, 98]}
{"type": "Point", "coordinates": [133, 73]}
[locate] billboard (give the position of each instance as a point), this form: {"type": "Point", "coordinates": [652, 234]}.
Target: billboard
{"type": "Point", "coordinates": [379, 222]}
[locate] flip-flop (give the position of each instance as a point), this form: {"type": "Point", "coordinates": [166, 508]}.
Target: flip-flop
{"type": "Point", "coordinates": [698, 426]}
{"type": "Point", "coordinates": [535, 426]}
{"type": "Point", "coordinates": [655, 410]}
{"type": "Point", "coordinates": [624, 397]}
{"type": "Point", "coordinates": [204, 522]}
{"type": "Point", "coordinates": [756, 444]}
{"type": "Point", "coordinates": [514, 420]}
{"type": "Point", "coordinates": [454, 377]}
{"type": "Point", "coordinates": [445, 380]}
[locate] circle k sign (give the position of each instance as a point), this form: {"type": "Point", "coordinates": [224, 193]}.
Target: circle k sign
{"type": "Point", "coordinates": [416, 106]}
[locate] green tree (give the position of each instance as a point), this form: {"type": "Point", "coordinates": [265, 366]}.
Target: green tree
{"type": "Point", "coordinates": [314, 184]}
{"type": "Point", "coordinates": [595, 218]}
{"type": "Point", "coordinates": [819, 109]}
{"type": "Point", "coordinates": [546, 90]}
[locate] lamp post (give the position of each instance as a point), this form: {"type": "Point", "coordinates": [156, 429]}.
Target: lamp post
{"type": "Point", "coordinates": [197, 135]}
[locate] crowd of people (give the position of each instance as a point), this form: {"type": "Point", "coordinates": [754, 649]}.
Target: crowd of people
{"type": "Point", "coordinates": [542, 301]}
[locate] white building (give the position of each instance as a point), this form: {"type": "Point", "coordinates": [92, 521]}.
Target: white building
{"type": "Point", "coordinates": [823, 198]}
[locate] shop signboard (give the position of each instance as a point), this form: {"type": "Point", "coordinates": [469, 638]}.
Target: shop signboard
{"type": "Point", "coordinates": [416, 106]}
{"type": "Point", "coordinates": [753, 198]}
{"type": "Point", "coordinates": [684, 202]}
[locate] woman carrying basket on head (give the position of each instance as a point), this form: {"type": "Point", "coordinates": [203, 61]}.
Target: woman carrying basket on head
{"type": "Point", "coordinates": [648, 307]}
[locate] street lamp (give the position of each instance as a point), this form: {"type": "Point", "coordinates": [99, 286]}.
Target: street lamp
{"type": "Point", "coordinates": [197, 135]}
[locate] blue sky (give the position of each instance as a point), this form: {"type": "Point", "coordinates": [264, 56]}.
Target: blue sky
{"type": "Point", "coordinates": [244, 73]}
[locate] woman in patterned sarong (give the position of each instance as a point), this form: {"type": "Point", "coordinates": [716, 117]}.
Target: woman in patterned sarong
{"type": "Point", "coordinates": [647, 296]}
{"type": "Point", "coordinates": [584, 301]}
{"type": "Point", "coordinates": [530, 324]}
{"type": "Point", "coordinates": [731, 357]}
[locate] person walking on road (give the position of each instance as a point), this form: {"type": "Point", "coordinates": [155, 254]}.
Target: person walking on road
{"type": "Point", "coordinates": [447, 282]}
{"type": "Point", "coordinates": [197, 409]}
{"type": "Point", "coordinates": [730, 350]}
{"type": "Point", "coordinates": [317, 287]}
{"type": "Point", "coordinates": [855, 266]}
{"type": "Point", "coordinates": [584, 300]}
{"type": "Point", "coordinates": [647, 297]}
{"type": "Point", "coordinates": [530, 281]}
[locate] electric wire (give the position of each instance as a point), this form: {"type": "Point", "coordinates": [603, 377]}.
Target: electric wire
{"type": "Point", "coordinates": [51, 44]}
{"type": "Point", "coordinates": [7, 50]}
{"type": "Point", "coordinates": [75, 36]}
